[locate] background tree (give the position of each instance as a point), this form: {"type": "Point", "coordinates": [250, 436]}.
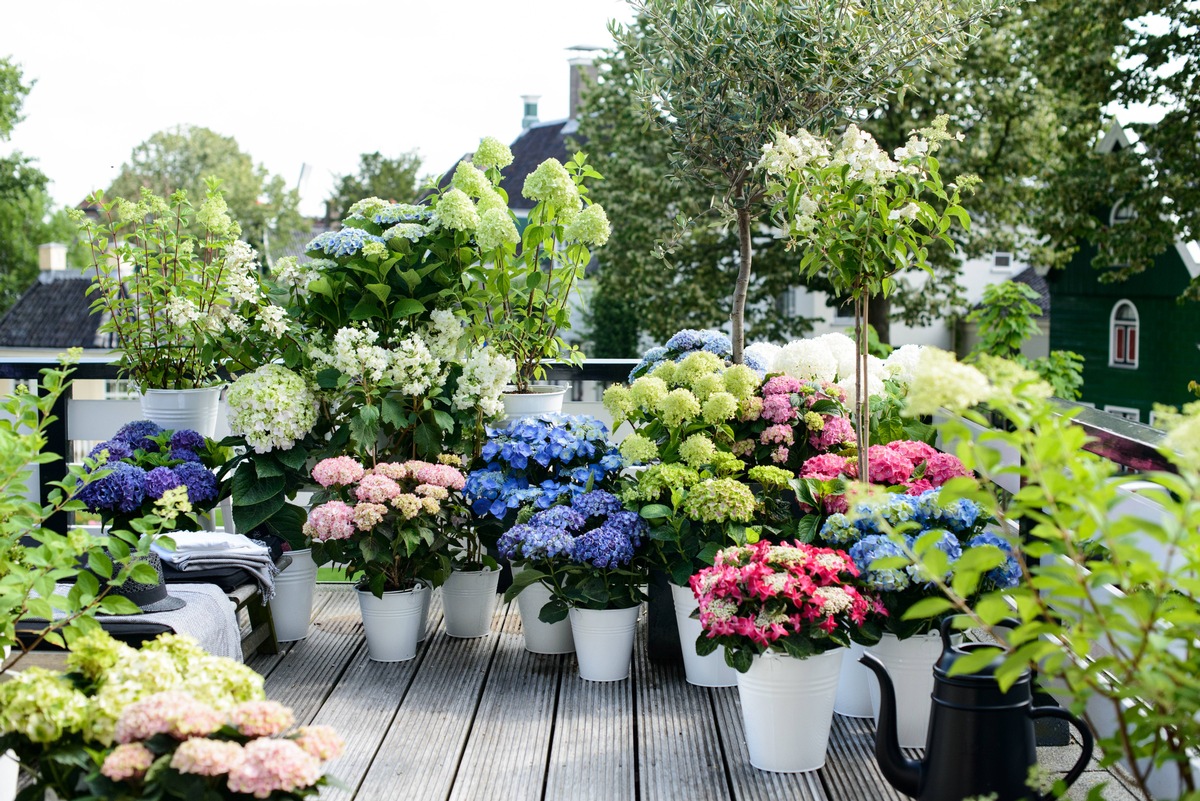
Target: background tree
{"type": "Point", "coordinates": [395, 179]}
{"type": "Point", "coordinates": [182, 157]}
{"type": "Point", "coordinates": [27, 217]}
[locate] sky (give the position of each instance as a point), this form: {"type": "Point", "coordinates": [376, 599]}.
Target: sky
{"type": "Point", "coordinates": [295, 83]}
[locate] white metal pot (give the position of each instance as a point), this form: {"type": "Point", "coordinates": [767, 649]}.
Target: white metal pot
{"type": "Point", "coordinates": [787, 709]}
{"type": "Point", "coordinates": [468, 601]}
{"type": "Point", "coordinates": [854, 686]}
{"type": "Point", "coordinates": [538, 400]}
{"type": "Point", "coordinates": [291, 608]}
{"type": "Point", "coordinates": [393, 623]}
{"type": "Point", "coordinates": [10, 771]}
{"type": "Point", "coordinates": [542, 638]}
{"type": "Point", "coordinates": [175, 409]}
{"type": "Point", "coordinates": [702, 671]}
{"type": "Point", "coordinates": [604, 641]}
{"type": "Point", "coordinates": [910, 664]}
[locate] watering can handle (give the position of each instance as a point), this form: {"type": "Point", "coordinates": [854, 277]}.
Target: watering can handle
{"type": "Point", "coordinates": [1085, 739]}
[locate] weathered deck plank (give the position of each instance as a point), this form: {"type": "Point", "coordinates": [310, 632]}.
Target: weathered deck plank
{"type": "Point", "coordinates": [851, 770]}
{"type": "Point", "coordinates": [265, 663]}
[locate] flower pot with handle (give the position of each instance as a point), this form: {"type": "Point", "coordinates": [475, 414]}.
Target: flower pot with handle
{"type": "Point", "coordinates": [291, 608]}
{"type": "Point", "coordinates": [175, 409]}
{"type": "Point", "coordinates": [468, 601]}
{"type": "Point", "coordinates": [702, 671]}
{"type": "Point", "coordinates": [393, 623]}
{"type": "Point", "coordinates": [604, 641]}
{"type": "Point", "coordinates": [787, 709]}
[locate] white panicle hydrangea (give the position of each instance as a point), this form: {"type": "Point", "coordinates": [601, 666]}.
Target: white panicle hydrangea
{"type": "Point", "coordinates": [805, 359]}
{"type": "Point", "coordinates": [484, 377]}
{"type": "Point", "coordinates": [272, 319]}
{"type": "Point", "coordinates": [867, 161]}
{"type": "Point", "coordinates": [941, 381]}
{"type": "Point", "coordinates": [764, 352]}
{"type": "Point", "coordinates": [441, 334]}
{"type": "Point", "coordinates": [456, 211]}
{"type": "Point", "coordinates": [788, 154]}
{"type": "Point", "coordinates": [900, 364]}
{"type": "Point", "coordinates": [290, 273]}
{"type": "Point", "coordinates": [906, 212]}
{"type": "Point", "coordinates": [470, 179]}
{"type": "Point", "coordinates": [240, 256]}
{"type": "Point", "coordinates": [841, 347]}
{"type": "Point", "coordinates": [272, 408]}
{"type": "Point", "coordinates": [182, 311]}
{"type": "Point", "coordinates": [492, 153]}
{"type": "Point", "coordinates": [495, 229]}
{"type": "Point", "coordinates": [354, 353]}
{"type": "Point", "coordinates": [412, 369]}
{"type": "Point", "coordinates": [242, 285]}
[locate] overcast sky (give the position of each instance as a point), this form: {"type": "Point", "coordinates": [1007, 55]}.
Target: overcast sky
{"type": "Point", "coordinates": [295, 82]}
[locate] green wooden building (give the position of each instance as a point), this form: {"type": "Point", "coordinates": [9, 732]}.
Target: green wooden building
{"type": "Point", "coordinates": [1140, 345]}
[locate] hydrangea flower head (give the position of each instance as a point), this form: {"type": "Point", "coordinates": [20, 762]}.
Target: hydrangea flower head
{"type": "Point", "coordinates": [492, 153]}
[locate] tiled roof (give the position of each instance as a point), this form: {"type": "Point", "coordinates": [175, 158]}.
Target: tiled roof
{"type": "Point", "coordinates": [299, 240]}
{"type": "Point", "coordinates": [51, 315]}
{"type": "Point", "coordinates": [1038, 284]}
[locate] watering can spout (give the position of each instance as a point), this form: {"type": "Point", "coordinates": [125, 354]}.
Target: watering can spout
{"type": "Point", "coordinates": [902, 773]}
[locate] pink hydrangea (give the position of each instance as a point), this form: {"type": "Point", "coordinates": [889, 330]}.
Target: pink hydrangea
{"type": "Point", "coordinates": [777, 434]}
{"type": "Point", "coordinates": [204, 757]}
{"type": "Point", "coordinates": [127, 761]}
{"type": "Point", "coordinates": [261, 718]}
{"type": "Point", "coordinates": [829, 391]}
{"type": "Point", "coordinates": [837, 431]}
{"type": "Point", "coordinates": [330, 521]}
{"type": "Point", "coordinates": [442, 475]}
{"type": "Point", "coordinates": [913, 450]}
{"type": "Point", "coordinates": [780, 455]}
{"type": "Point", "coordinates": [829, 466]}
{"type": "Point", "coordinates": [321, 742]}
{"type": "Point", "coordinates": [781, 385]}
{"type": "Point", "coordinates": [917, 487]}
{"type": "Point", "coordinates": [273, 765]}
{"type": "Point", "coordinates": [835, 504]}
{"type": "Point", "coordinates": [941, 467]}
{"type": "Point", "coordinates": [887, 467]}
{"type": "Point", "coordinates": [778, 409]}
{"type": "Point", "coordinates": [342, 470]}
{"type": "Point", "coordinates": [751, 409]}
{"type": "Point", "coordinates": [376, 489]}
{"type": "Point", "coordinates": [173, 712]}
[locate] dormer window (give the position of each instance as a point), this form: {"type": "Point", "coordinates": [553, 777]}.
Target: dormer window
{"type": "Point", "coordinates": [1123, 341]}
{"type": "Point", "coordinates": [1001, 262]}
{"type": "Point", "coordinates": [1121, 213]}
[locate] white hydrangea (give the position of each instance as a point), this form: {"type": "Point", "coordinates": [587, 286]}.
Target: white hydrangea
{"type": "Point", "coordinates": [412, 369]}
{"type": "Point", "coordinates": [441, 334]}
{"type": "Point", "coordinates": [242, 285]}
{"type": "Point", "coordinates": [805, 359]}
{"type": "Point", "coordinates": [874, 382]}
{"type": "Point", "coordinates": [240, 257]}
{"type": "Point", "coordinates": [272, 408]}
{"type": "Point", "coordinates": [843, 350]}
{"type": "Point", "coordinates": [939, 380]}
{"type": "Point", "coordinates": [867, 161]}
{"type": "Point", "coordinates": [272, 318]}
{"type": "Point", "coordinates": [182, 311]}
{"type": "Point", "coordinates": [788, 154]}
{"type": "Point", "coordinates": [484, 376]}
{"type": "Point", "coordinates": [354, 353]}
{"type": "Point", "coordinates": [765, 352]}
{"type": "Point", "coordinates": [901, 363]}
{"type": "Point", "coordinates": [290, 273]}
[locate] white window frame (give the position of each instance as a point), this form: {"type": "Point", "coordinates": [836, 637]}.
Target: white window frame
{"type": "Point", "coordinates": [1128, 412]}
{"type": "Point", "coordinates": [844, 312]}
{"type": "Point", "coordinates": [1126, 363]}
{"type": "Point", "coordinates": [1113, 219]}
{"type": "Point", "coordinates": [997, 268]}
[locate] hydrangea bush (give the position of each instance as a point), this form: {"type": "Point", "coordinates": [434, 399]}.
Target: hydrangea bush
{"type": "Point", "coordinates": [790, 420]}
{"type": "Point", "coordinates": [792, 598]}
{"type": "Point", "coordinates": [388, 523]}
{"type": "Point", "coordinates": [688, 341]}
{"type": "Point", "coordinates": [588, 553]}
{"type": "Point", "coordinates": [901, 542]}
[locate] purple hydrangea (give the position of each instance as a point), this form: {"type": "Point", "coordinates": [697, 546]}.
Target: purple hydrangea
{"type": "Point", "coordinates": [200, 482]}
{"type": "Point", "coordinates": [183, 455]}
{"type": "Point", "coordinates": [187, 439]}
{"type": "Point", "coordinates": [159, 480]}
{"type": "Point", "coordinates": [137, 435]}
{"type": "Point", "coordinates": [120, 492]}
{"type": "Point", "coordinates": [535, 541]}
{"type": "Point", "coordinates": [1006, 576]}
{"type": "Point", "coordinates": [612, 543]}
{"type": "Point", "coordinates": [597, 503]}
{"type": "Point", "coordinates": [117, 450]}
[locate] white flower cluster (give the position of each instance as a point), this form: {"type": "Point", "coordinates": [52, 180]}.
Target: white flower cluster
{"type": "Point", "coordinates": [939, 380]}
{"type": "Point", "coordinates": [272, 407]}
{"type": "Point", "coordinates": [290, 273]}
{"type": "Point", "coordinates": [272, 319]}
{"type": "Point", "coordinates": [354, 354]}
{"type": "Point", "coordinates": [182, 311]}
{"type": "Point", "coordinates": [868, 161]}
{"type": "Point", "coordinates": [442, 334]}
{"type": "Point", "coordinates": [485, 374]}
{"type": "Point", "coordinates": [789, 154]}
{"type": "Point", "coordinates": [829, 357]}
{"type": "Point", "coordinates": [413, 368]}
{"type": "Point", "coordinates": [241, 273]}
{"type": "Point", "coordinates": [902, 362]}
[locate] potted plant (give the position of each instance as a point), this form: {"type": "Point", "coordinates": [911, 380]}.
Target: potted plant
{"type": "Point", "coordinates": [589, 554]}
{"type": "Point", "coordinates": [387, 525]}
{"type": "Point", "coordinates": [469, 594]}
{"type": "Point", "coordinates": [528, 464]}
{"type": "Point", "coordinates": [180, 297]}
{"type": "Point", "coordinates": [899, 542]}
{"type": "Point", "coordinates": [784, 614]}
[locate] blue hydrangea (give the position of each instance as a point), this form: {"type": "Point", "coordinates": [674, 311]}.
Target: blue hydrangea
{"type": "Point", "coordinates": [565, 517]}
{"type": "Point", "coordinates": [1008, 575]}
{"type": "Point", "coordinates": [611, 544]}
{"type": "Point", "coordinates": [402, 212]}
{"type": "Point", "coordinates": [650, 360]}
{"type": "Point", "coordinates": [947, 544]}
{"type": "Point", "coordinates": [755, 363]}
{"type": "Point", "coordinates": [877, 546]}
{"type": "Point", "coordinates": [137, 435]}
{"type": "Point", "coordinates": [159, 480]}
{"type": "Point", "coordinates": [120, 492]}
{"type": "Point", "coordinates": [839, 531]}
{"type": "Point", "coordinates": [531, 541]}
{"type": "Point", "coordinates": [200, 482]}
{"type": "Point", "coordinates": [343, 242]}
{"type": "Point", "coordinates": [181, 455]}
{"type": "Point", "coordinates": [187, 439]}
{"type": "Point", "coordinates": [597, 503]}
{"type": "Point", "coordinates": [116, 449]}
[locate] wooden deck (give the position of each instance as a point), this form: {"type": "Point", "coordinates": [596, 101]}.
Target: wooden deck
{"type": "Point", "coordinates": [485, 720]}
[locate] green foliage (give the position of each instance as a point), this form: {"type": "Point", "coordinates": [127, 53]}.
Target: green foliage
{"type": "Point", "coordinates": [184, 158]}
{"type": "Point", "coordinates": [613, 325]}
{"type": "Point", "coordinates": [378, 176]}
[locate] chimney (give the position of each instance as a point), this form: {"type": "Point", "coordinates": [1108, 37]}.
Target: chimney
{"type": "Point", "coordinates": [580, 65]}
{"type": "Point", "coordinates": [52, 261]}
{"type": "Point", "coordinates": [531, 111]}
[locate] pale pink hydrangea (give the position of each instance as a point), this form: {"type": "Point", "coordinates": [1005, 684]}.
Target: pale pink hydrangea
{"type": "Point", "coordinates": [320, 742]}
{"type": "Point", "coordinates": [836, 431]}
{"type": "Point", "coordinates": [743, 447]}
{"type": "Point", "coordinates": [261, 718]}
{"type": "Point", "coordinates": [777, 434]}
{"type": "Point", "coordinates": [913, 450]}
{"type": "Point", "coordinates": [941, 467]}
{"type": "Point", "coordinates": [376, 489]}
{"type": "Point", "coordinates": [781, 385]}
{"type": "Point", "coordinates": [887, 467]}
{"type": "Point", "coordinates": [432, 491]}
{"type": "Point", "coordinates": [408, 505]}
{"type": "Point", "coordinates": [341, 470]}
{"type": "Point", "coordinates": [273, 765]}
{"type": "Point", "coordinates": [204, 757]}
{"type": "Point", "coordinates": [368, 515]}
{"type": "Point", "coordinates": [127, 761]}
{"type": "Point", "coordinates": [172, 712]}
{"type": "Point", "coordinates": [442, 475]}
{"type": "Point", "coordinates": [393, 470]}
{"type": "Point", "coordinates": [780, 455]}
{"type": "Point", "coordinates": [330, 521]}
{"type": "Point", "coordinates": [777, 409]}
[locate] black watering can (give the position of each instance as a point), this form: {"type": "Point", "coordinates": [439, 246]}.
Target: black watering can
{"type": "Point", "coordinates": [980, 741]}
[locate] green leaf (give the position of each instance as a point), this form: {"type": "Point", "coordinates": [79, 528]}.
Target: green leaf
{"type": "Point", "coordinates": [381, 291]}
{"type": "Point", "coordinates": [248, 518]}
{"type": "Point", "coordinates": [927, 607]}
{"type": "Point", "coordinates": [118, 605]}
{"type": "Point", "coordinates": [100, 564]}
{"type": "Point", "coordinates": [655, 511]}
{"type": "Point", "coordinates": [525, 578]}
{"type": "Point", "coordinates": [406, 307]}
{"type": "Point", "coordinates": [248, 489]}
{"type": "Point", "coordinates": [142, 573]}
{"type": "Point", "coordinates": [88, 584]}
{"type": "Point", "coordinates": [293, 458]}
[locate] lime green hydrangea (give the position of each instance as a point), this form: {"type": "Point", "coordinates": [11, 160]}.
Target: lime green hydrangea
{"type": "Point", "coordinates": [214, 217]}
{"type": "Point", "coordinates": [495, 230]}
{"type": "Point", "coordinates": [667, 371]}
{"type": "Point", "coordinates": [223, 682]}
{"type": "Point", "coordinates": [814, 421]}
{"type": "Point", "coordinates": [638, 449]}
{"type": "Point", "coordinates": [648, 392]}
{"type": "Point", "coordinates": [95, 653]}
{"type": "Point", "coordinates": [726, 464]}
{"type": "Point", "coordinates": [1008, 377]}
{"type": "Point", "coordinates": [1183, 433]}
{"type": "Point", "coordinates": [470, 179]}
{"type": "Point", "coordinates": [185, 651]}
{"type": "Point", "coordinates": [697, 451]}
{"type": "Point", "coordinates": [705, 385]}
{"type": "Point", "coordinates": [720, 407]}
{"type": "Point", "coordinates": [492, 153]}
{"type": "Point", "coordinates": [368, 207]}
{"type": "Point", "coordinates": [770, 476]}
{"type": "Point", "coordinates": [619, 403]}
{"type": "Point", "coordinates": [489, 200]}
{"type": "Point", "coordinates": [698, 364]}
{"type": "Point", "coordinates": [679, 405]}
{"type": "Point", "coordinates": [552, 184]}
{"type": "Point", "coordinates": [741, 381]}
{"type": "Point", "coordinates": [660, 479]}
{"type": "Point", "coordinates": [590, 226]}
{"type": "Point", "coordinates": [720, 500]}
{"type": "Point", "coordinates": [455, 210]}
{"type": "Point", "coordinates": [41, 706]}
{"type": "Point", "coordinates": [376, 249]}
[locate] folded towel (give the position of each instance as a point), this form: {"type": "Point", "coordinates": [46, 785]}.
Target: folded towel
{"type": "Point", "coordinates": [194, 541]}
{"type": "Point", "coordinates": [254, 557]}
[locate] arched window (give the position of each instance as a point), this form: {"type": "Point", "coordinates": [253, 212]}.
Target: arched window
{"type": "Point", "coordinates": [1123, 342]}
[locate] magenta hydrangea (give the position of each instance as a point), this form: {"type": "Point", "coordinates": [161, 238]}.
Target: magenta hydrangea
{"type": "Point", "coordinates": [941, 467]}
{"type": "Point", "coordinates": [837, 431]}
{"type": "Point", "coordinates": [888, 467]}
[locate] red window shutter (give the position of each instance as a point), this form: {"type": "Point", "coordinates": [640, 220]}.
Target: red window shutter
{"type": "Point", "coordinates": [1131, 350]}
{"type": "Point", "coordinates": [1119, 337]}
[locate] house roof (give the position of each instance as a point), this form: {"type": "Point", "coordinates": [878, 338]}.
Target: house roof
{"type": "Point", "coordinates": [1038, 284]}
{"type": "Point", "coordinates": [54, 314]}
{"type": "Point", "coordinates": [296, 244]}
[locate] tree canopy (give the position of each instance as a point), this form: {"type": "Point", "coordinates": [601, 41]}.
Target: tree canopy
{"type": "Point", "coordinates": [395, 179]}
{"type": "Point", "coordinates": [183, 157]}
